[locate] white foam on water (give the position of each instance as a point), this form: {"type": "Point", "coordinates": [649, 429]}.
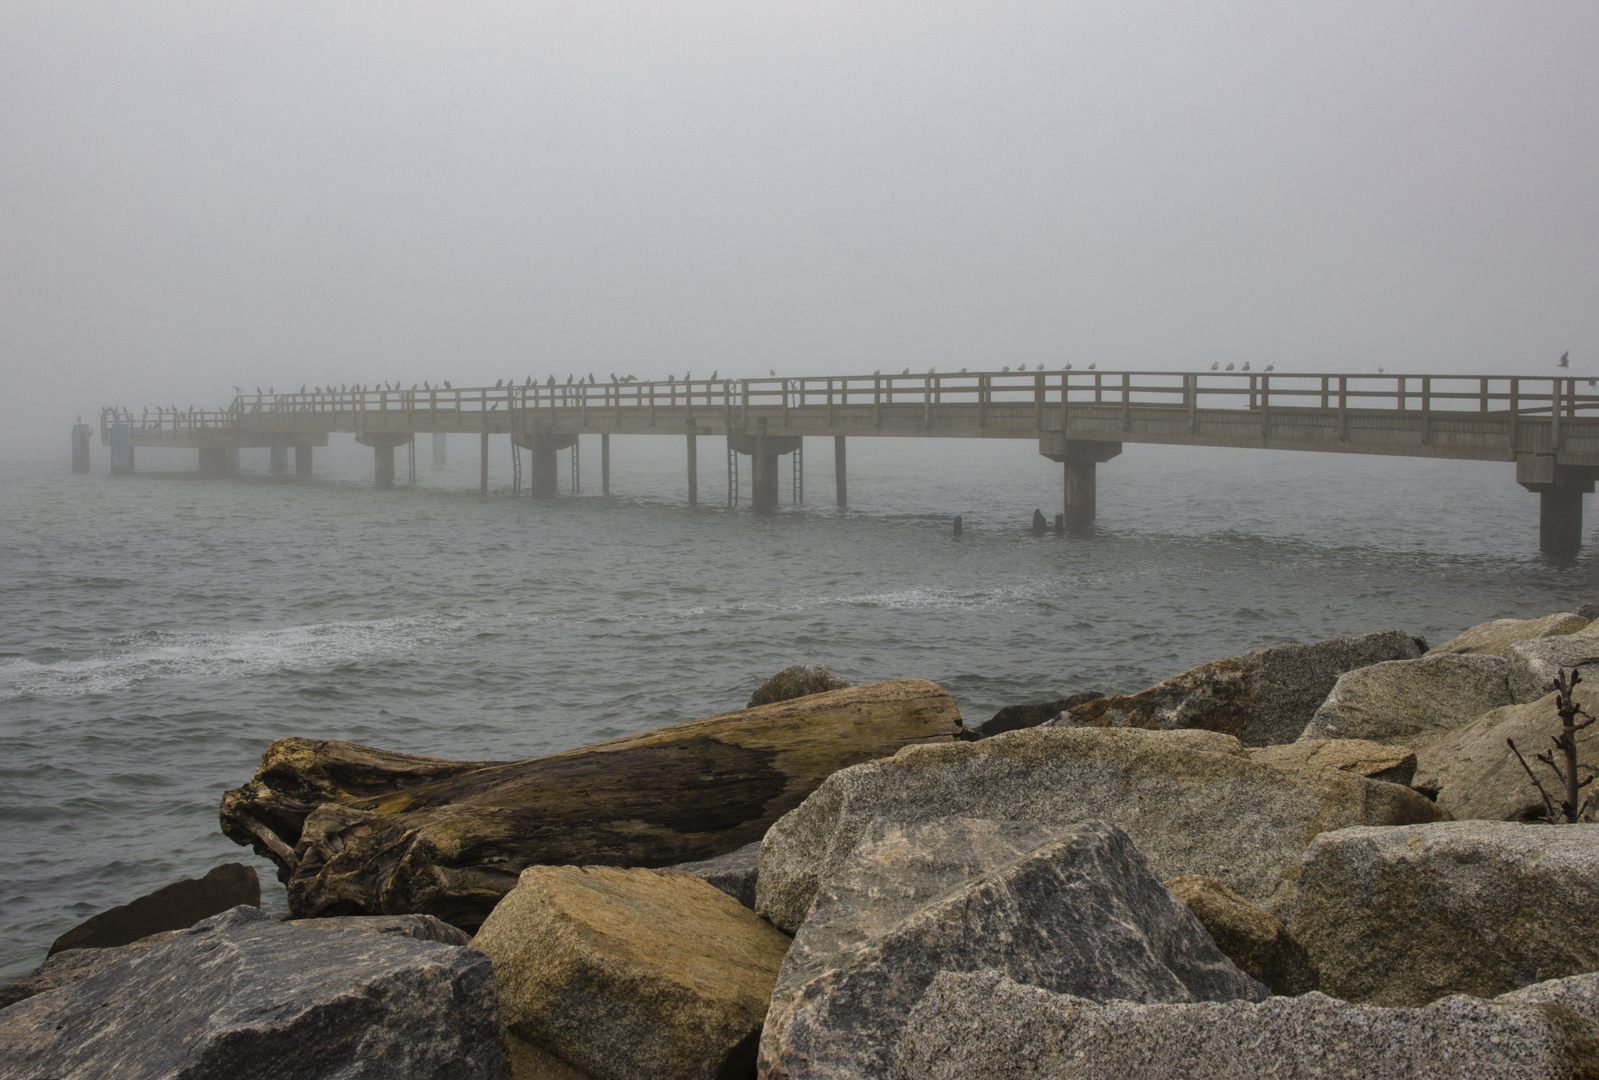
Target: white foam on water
{"type": "Point", "coordinates": [229, 654]}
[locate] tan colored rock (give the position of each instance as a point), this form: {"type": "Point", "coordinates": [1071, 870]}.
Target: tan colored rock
{"type": "Point", "coordinates": [1405, 916]}
{"type": "Point", "coordinates": [1253, 939]}
{"type": "Point", "coordinates": [1402, 701]}
{"type": "Point", "coordinates": [1192, 801]}
{"type": "Point", "coordinates": [529, 1062]}
{"type": "Point", "coordinates": [1373, 760]}
{"type": "Point", "coordinates": [1495, 638]}
{"type": "Point", "coordinates": [1476, 776]}
{"type": "Point", "coordinates": [631, 973]}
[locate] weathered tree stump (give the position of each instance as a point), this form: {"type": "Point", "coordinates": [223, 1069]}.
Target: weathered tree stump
{"type": "Point", "coordinates": [355, 830]}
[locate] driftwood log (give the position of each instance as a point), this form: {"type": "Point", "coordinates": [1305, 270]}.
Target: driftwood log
{"type": "Point", "coordinates": [355, 830]}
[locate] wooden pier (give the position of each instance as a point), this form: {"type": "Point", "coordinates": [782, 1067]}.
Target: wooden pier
{"type": "Point", "coordinates": [1547, 427]}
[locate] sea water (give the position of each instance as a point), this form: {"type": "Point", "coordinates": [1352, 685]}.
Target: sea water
{"type": "Point", "coordinates": [158, 631]}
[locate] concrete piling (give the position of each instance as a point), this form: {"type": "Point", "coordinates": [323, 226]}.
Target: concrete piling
{"type": "Point", "coordinates": [1060, 524]}
{"type": "Point", "coordinates": [278, 460]}
{"type": "Point", "coordinates": [302, 461]}
{"type": "Point", "coordinates": [121, 450]}
{"type": "Point", "coordinates": [483, 465]}
{"type": "Point", "coordinates": [957, 530]}
{"type": "Point", "coordinates": [80, 447]}
{"type": "Point", "coordinates": [605, 464]}
{"type": "Point", "coordinates": [1039, 527]}
{"type": "Point", "coordinates": [693, 466]}
{"type": "Point", "coordinates": [840, 477]}
{"type": "Point", "coordinates": [439, 460]}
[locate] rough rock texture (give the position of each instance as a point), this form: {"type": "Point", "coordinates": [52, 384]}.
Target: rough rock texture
{"type": "Point", "coordinates": [632, 973]}
{"type": "Point", "coordinates": [1192, 801]}
{"type": "Point", "coordinates": [1017, 717]}
{"type": "Point", "coordinates": [1075, 909]}
{"type": "Point", "coordinates": [358, 831]}
{"type": "Point", "coordinates": [1476, 776]}
{"type": "Point", "coordinates": [798, 680]}
{"type": "Point", "coordinates": [1375, 761]}
{"type": "Point", "coordinates": [1533, 665]}
{"type": "Point", "coordinates": [241, 997]}
{"type": "Point", "coordinates": [1405, 701]}
{"type": "Point", "coordinates": [971, 1025]}
{"type": "Point", "coordinates": [1264, 696]}
{"type": "Point", "coordinates": [733, 873]}
{"type": "Point", "coordinates": [172, 907]}
{"type": "Point", "coordinates": [74, 964]}
{"type": "Point", "coordinates": [1495, 638]}
{"type": "Point", "coordinates": [1406, 916]}
{"type": "Point", "coordinates": [1261, 946]}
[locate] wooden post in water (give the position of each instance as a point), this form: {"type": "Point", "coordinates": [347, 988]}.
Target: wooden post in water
{"type": "Point", "coordinates": [957, 530]}
{"type": "Point", "coordinates": [483, 463]}
{"type": "Point", "coordinates": [302, 461]}
{"type": "Point", "coordinates": [278, 460]}
{"type": "Point", "coordinates": [840, 474]}
{"type": "Point", "coordinates": [605, 460]}
{"type": "Point", "coordinates": [80, 447]}
{"type": "Point", "coordinates": [693, 465]}
{"type": "Point", "coordinates": [1039, 526]}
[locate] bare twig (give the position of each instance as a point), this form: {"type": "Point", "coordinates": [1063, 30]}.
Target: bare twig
{"type": "Point", "coordinates": [1549, 804]}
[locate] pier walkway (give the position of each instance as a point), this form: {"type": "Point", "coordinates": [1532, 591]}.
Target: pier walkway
{"type": "Point", "coordinates": [1547, 427]}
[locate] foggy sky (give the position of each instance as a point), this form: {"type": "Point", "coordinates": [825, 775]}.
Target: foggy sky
{"type": "Point", "coordinates": [194, 195]}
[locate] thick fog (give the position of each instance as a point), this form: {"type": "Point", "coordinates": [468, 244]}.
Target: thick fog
{"type": "Point", "coordinates": [197, 195]}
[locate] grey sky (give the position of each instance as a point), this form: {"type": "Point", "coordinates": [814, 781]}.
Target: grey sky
{"type": "Point", "coordinates": [194, 195]}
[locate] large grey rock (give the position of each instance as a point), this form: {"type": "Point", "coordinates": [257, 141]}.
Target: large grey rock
{"type": "Point", "coordinates": [241, 997]}
{"type": "Point", "coordinates": [1533, 665]}
{"type": "Point", "coordinates": [74, 964]}
{"type": "Point", "coordinates": [733, 873]}
{"type": "Point", "coordinates": [797, 680]}
{"type": "Point", "coordinates": [1373, 760]}
{"type": "Point", "coordinates": [1017, 717]}
{"type": "Point", "coordinates": [1409, 915]}
{"type": "Point", "coordinates": [1263, 696]}
{"type": "Point", "coordinates": [177, 906]}
{"type": "Point", "coordinates": [1405, 701]}
{"type": "Point", "coordinates": [1192, 801]}
{"type": "Point", "coordinates": [1075, 909]}
{"type": "Point", "coordinates": [1495, 638]}
{"type": "Point", "coordinates": [983, 1024]}
{"type": "Point", "coordinates": [1474, 773]}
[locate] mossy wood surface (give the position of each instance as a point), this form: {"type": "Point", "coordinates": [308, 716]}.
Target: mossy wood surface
{"type": "Point", "coordinates": [355, 830]}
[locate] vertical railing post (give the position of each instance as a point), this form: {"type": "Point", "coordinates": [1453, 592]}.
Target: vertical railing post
{"type": "Point", "coordinates": [1343, 408]}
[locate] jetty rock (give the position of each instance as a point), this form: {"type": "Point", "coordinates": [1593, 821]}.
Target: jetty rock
{"type": "Point", "coordinates": [733, 873]}
{"type": "Point", "coordinates": [242, 997]}
{"type": "Point", "coordinates": [177, 906]}
{"type": "Point", "coordinates": [361, 831]}
{"type": "Point", "coordinates": [794, 681]}
{"type": "Point", "coordinates": [631, 974]}
{"type": "Point", "coordinates": [1262, 697]}
{"type": "Point", "coordinates": [1404, 916]}
{"type": "Point", "coordinates": [1017, 717]}
{"type": "Point", "coordinates": [984, 1024]}
{"type": "Point", "coordinates": [1533, 665]}
{"type": "Point", "coordinates": [1261, 946]}
{"type": "Point", "coordinates": [1192, 801]}
{"type": "Point", "coordinates": [1495, 638]}
{"type": "Point", "coordinates": [1362, 757]}
{"type": "Point", "coordinates": [1406, 701]}
{"type": "Point", "coordinates": [1474, 773]}
{"type": "Point", "coordinates": [1074, 909]}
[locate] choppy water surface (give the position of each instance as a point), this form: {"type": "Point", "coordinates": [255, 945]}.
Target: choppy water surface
{"type": "Point", "coordinates": [159, 631]}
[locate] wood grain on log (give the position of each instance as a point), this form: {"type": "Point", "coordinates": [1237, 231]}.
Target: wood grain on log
{"type": "Point", "coordinates": [355, 830]}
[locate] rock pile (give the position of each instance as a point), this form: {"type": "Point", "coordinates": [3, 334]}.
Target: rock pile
{"type": "Point", "coordinates": [1303, 861]}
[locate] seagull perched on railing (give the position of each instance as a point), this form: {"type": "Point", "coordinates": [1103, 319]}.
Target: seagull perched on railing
{"type": "Point", "coordinates": [447, 384]}
{"type": "Point", "coordinates": [907, 371]}
{"type": "Point", "coordinates": [1229, 366]}
{"type": "Point", "coordinates": [714, 374]}
{"type": "Point", "coordinates": [1565, 358]}
{"type": "Point", "coordinates": [1271, 367]}
{"type": "Point", "coordinates": [1094, 365]}
{"type": "Point", "coordinates": [1246, 365]}
{"type": "Point", "coordinates": [238, 389]}
{"type": "Point", "coordinates": [772, 372]}
{"type": "Point", "coordinates": [1216, 366]}
{"type": "Point", "coordinates": [1068, 367]}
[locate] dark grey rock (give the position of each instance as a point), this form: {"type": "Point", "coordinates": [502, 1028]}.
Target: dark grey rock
{"type": "Point", "coordinates": [797, 680]}
{"type": "Point", "coordinates": [416, 927]}
{"type": "Point", "coordinates": [1192, 801]}
{"type": "Point", "coordinates": [1017, 717]}
{"type": "Point", "coordinates": [242, 997]}
{"type": "Point", "coordinates": [172, 907]}
{"type": "Point", "coordinates": [984, 1024]}
{"type": "Point", "coordinates": [1074, 909]}
{"type": "Point", "coordinates": [1262, 697]}
{"type": "Point", "coordinates": [733, 873]}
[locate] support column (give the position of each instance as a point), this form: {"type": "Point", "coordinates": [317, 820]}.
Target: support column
{"type": "Point", "coordinates": [545, 475]}
{"type": "Point", "coordinates": [763, 479]}
{"type": "Point", "coordinates": [438, 449]}
{"type": "Point", "coordinates": [840, 478]}
{"type": "Point", "coordinates": [383, 465]}
{"type": "Point", "coordinates": [213, 462]}
{"type": "Point", "coordinates": [483, 465]}
{"type": "Point", "coordinates": [302, 461]}
{"type": "Point", "coordinates": [693, 466]}
{"type": "Point", "coordinates": [1079, 458]}
{"type": "Point", "coordinates": [1081, 495]}
{"type": "Point", "coordinates": [605, 464]}
{"type": "Point", "coordinates": [1560, 490]}
{"type": "Point", "coordinates": [1559, 521]}
{"type": "Point", "coordinates": [121, 450]}
{"type": "Point", "coordinates": [278, 460]}
{"type": "Point", "coordinates": [80, 447]}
